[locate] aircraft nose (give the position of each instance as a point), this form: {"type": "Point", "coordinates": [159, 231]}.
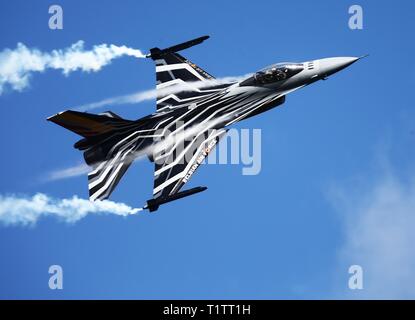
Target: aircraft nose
{"type": "Point", "coordinates": [329, 66]}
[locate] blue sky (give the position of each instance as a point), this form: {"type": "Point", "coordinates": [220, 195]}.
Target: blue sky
{"type": "Point", "coordinates": [290, 232]}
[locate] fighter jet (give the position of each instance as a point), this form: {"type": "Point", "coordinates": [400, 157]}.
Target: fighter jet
{"type": "Point", "coordinates": [189, 99]}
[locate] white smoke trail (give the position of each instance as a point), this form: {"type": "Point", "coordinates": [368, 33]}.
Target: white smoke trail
{"type": "Point", "coordinates": [151, 94]}
{"type": "Point", "coordinates": [132, 98]}
{"type": "Point", "coordinates": [15, 210]}
{"type": "Point", "coordinates": [17, 65]}
{"type": "Point", "coordinates": [73, 171]}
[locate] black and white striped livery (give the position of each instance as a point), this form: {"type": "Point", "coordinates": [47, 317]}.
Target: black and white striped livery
{"type": "Point", "coordinates": [193, 112]}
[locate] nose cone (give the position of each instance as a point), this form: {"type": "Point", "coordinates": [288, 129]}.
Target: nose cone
{"type": "Point", "coordinates": [329, 66]}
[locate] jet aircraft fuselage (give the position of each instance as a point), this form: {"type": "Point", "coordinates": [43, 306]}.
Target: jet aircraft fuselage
{"type": "Point", "coordinates": [191, 104]}
{"type": "Point", "coordinates": [260, 92]}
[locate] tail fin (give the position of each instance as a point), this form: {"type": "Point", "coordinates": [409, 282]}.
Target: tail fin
{"type": "Point", "coordinates": [109, 154]}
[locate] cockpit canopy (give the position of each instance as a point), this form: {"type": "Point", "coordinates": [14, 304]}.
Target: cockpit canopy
{"type": "Point", "coordinates": [274, 73]}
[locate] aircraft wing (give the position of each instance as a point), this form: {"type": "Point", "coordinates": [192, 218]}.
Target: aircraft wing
{"type": "Point", "coordinates": [180, 81]}
{"type": "Point", "coordinates": [175, 165]}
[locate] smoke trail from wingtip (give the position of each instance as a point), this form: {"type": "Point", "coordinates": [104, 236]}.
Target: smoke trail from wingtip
{"type": "Point", "coordinates": [15, 210]}
{"type": "Point", "coordinates": [17, 65]}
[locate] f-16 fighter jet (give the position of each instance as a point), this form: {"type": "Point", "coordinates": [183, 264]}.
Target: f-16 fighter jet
{"type": "Point", "coordinates": [188, 100]}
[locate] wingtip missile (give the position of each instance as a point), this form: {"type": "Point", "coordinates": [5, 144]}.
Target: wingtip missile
{"type": "Point", "coordinates": [154, 204]}
{"type": "Point", "coordinates": [157, 52]}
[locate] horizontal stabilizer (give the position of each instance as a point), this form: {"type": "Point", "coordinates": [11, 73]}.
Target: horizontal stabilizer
{"type": "Point", "coordinates": [88, 124]}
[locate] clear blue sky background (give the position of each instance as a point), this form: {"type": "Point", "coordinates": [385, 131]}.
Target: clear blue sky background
{"type": "Point", "coordinates": [274, 235]}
